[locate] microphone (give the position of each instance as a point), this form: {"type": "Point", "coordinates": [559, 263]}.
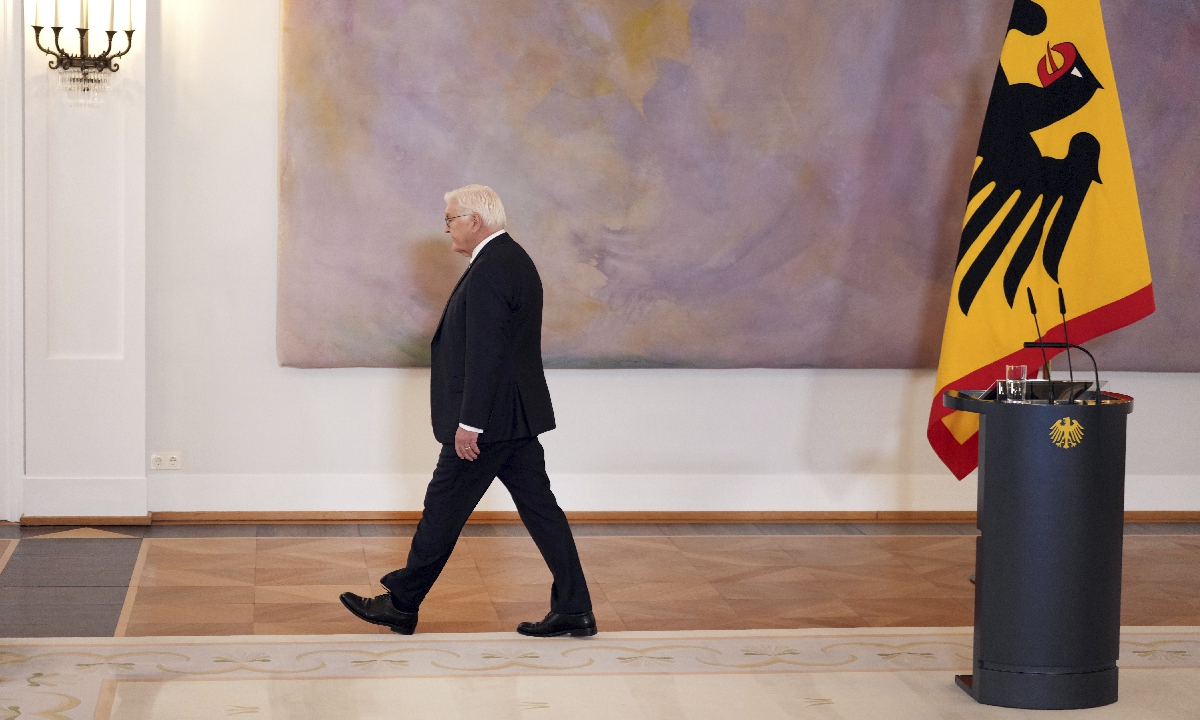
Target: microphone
{"type": "Point", "coordinates": [1062, 310]}
{"type": "Point", "coordinates": [1037, 327]}
{"type": "Point", "coordinates": [1095, 368]}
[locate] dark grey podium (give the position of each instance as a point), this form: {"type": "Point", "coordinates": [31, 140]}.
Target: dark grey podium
{"type": "Point", "coordinates": [1048, 557]}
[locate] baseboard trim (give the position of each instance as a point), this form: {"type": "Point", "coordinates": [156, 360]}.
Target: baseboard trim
{"type": "Point", "coordinates": [500, 517]}
{"type": "Point", "coordinates": [1162, 516]}
{"type": "Point", "coordinates": [402, 517]}
{"type": "Point", "coordinates": [505, 517]}
{"type": "Point", "coordinates": [86, 519]}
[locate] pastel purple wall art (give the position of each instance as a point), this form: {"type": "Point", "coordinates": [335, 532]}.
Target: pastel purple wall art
{"type": "Point", "coordinates": [718, 183]}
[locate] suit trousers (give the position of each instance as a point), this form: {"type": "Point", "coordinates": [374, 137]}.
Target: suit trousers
{"type": "Point", "coordinates": [453, 493]}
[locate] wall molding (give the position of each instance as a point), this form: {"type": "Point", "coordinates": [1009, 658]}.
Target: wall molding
{"type": "Point", "coordinates": [12, 258]}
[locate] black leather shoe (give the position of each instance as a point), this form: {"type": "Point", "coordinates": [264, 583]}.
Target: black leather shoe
{"type": "Point", "coordinates": [559, 624]}
{"type": "Point", "coordinates": [381, 611]}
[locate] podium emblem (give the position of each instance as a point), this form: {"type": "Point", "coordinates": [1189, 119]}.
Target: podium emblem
{"type": "Point", "coordinates": [1066, 433]}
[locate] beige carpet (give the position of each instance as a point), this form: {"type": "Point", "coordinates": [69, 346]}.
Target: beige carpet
{"type": "Point", "coordinates": [868, 673]}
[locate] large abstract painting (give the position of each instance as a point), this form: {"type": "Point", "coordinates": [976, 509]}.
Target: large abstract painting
{"type": "Point", "coordinates": [717, 183]}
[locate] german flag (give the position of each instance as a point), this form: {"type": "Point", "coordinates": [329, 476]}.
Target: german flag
{"type": "Point", "coordinates": [1052, 204]}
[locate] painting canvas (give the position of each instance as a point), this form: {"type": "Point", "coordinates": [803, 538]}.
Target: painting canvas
{"type": "Point", "coordinates": [717, 183]}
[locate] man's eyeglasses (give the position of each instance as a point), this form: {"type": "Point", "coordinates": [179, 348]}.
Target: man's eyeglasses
{"type": "Point", "coordinates": [457, 216]}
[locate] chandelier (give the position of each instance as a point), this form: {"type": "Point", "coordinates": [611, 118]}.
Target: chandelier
{"type": "Point", "coordinates": [83, 74]}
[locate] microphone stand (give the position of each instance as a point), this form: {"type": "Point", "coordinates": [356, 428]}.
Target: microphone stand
{"type": "Point", "coordinates": [1037, 326]}
{"type": "Point", "coordinates": [1067, 346]}
{"type": "Point", "coordinates": [1062, 310]}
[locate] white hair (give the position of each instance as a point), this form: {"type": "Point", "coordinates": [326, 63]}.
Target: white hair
{"type": "Point", "coordinates": [482, 200]}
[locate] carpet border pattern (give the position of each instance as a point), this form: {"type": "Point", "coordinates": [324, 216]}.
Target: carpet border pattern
{"type": "Point", "coordinates": [76, 677]}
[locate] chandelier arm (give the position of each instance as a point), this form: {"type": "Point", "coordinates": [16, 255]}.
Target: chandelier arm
{"type": "Point", "coordinates": [128, 45]}
{"type": "Point", "coordinates": [37, 38]}
{"type": "Point", "coordinates": [57, 46]}
{"type": "Point", "coordinates": [64, 59]}
{"type": "Point", "coordinates": [110, 34]}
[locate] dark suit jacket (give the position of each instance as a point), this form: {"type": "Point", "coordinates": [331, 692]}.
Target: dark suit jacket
{"type": "Point", "coordinates": [486, 356]}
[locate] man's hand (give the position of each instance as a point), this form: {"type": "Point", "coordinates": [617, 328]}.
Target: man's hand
{"type": "Point", "coordinates": [466, 444]}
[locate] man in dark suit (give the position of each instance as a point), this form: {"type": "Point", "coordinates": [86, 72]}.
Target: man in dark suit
{"type": "Point", "coordinates": [490, 402]}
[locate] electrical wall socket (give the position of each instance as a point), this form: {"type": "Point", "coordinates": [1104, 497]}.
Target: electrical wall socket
{"type": "Point", "coordinates": [166, 461]}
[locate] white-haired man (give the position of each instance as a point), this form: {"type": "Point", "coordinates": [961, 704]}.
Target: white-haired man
{"type": "Point", "coordinates": [490, 401]}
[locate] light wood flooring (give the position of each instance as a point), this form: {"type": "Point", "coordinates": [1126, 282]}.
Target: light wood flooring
{"type": "Point", "coordinates": [290, 585]}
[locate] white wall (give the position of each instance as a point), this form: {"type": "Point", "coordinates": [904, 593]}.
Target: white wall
{"type": "Point", "coordinates": [255, 436]}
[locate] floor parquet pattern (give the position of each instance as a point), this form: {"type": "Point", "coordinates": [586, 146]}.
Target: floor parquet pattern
{"type": "Point", "coordinates": [289, 585]}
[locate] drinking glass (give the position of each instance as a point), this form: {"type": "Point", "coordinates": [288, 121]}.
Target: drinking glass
{"type": "Point", "coordinates": [1014, 383]}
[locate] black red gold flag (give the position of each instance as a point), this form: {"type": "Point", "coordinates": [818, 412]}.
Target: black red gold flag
{"type": "Point", "coordinates": [1052, 204]}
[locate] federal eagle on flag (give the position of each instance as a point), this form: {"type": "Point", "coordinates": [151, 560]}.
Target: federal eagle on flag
{"type": "Point", "coordinates": [1052, 205]}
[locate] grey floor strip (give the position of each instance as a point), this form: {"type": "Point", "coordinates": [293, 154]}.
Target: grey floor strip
{"type": "Point", "coordinates": [65, 587]}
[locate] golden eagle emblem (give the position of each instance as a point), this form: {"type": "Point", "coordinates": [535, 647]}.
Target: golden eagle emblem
{"type": "Point", "coordinates": [1066, 433]}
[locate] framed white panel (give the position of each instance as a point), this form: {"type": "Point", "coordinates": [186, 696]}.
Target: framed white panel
{"type": "Point", "coordinates": [85, 368]}
{"type": "Point", "coordinates": [85, 233]}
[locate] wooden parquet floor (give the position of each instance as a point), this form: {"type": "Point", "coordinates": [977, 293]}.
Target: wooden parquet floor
{"type": "Point", "coordinates": [290, 585]}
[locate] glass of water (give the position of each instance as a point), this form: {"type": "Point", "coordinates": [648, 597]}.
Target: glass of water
{"type": "Point", "coordinates": [1014, 383]}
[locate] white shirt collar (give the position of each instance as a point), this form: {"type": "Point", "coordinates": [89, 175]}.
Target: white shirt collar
{"type": "Point", "coordinates": [486, 240]}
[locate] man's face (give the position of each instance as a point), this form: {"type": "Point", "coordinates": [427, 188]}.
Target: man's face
{"type": "Point", "coordinates": [462, 229]}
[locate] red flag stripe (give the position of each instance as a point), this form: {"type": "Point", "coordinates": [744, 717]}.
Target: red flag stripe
{"type": "Point", "coordinates": [962, 459]}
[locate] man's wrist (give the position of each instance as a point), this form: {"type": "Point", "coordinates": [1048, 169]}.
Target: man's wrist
{"type": "Point", "coordinates": [469, 428]}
